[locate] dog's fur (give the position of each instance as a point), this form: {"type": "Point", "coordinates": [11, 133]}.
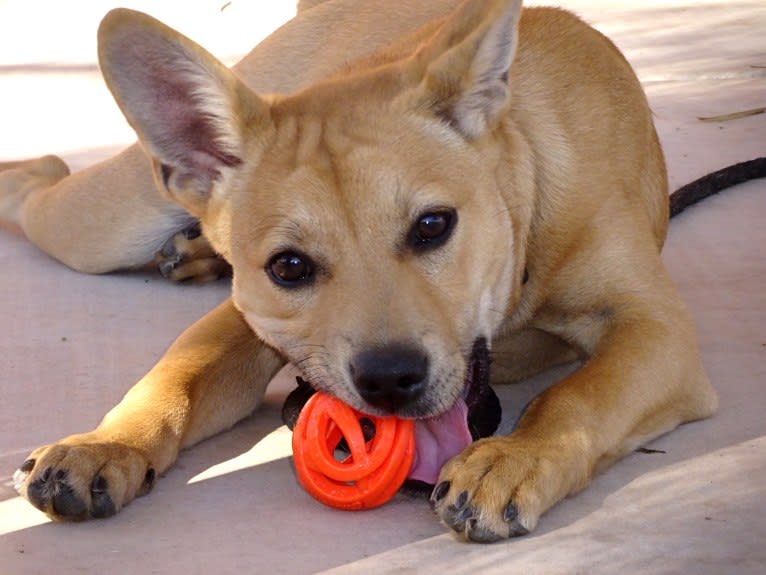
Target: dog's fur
{"type": "Point", "coordinates": [524, 138]}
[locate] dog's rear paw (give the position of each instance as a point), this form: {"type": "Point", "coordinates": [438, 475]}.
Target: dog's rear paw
{"type": "Point", "coordinates": [83, 477]}
{"type": "Point", "coordinates": [188, 257]}
{"type": "Point", "coordinates": [19, 179]}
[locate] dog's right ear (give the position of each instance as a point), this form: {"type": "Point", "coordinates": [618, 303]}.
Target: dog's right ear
{"type": "Point", "coordinates": [466, 65]}
{"type": "Point", "coordinates": [191, 113]}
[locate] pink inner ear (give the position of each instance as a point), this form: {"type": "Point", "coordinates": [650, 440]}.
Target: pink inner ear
{"type": "Point", "coordinates": [172, 99]}
{"type": "Point", "coordinates": [183, 132]}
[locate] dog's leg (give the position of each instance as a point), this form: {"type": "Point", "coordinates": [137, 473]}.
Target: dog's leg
{"type": "Point", "coordinates": [643, 378]}
{"type": "Point", "coordinates": [107, 217]}
{"type": "Point", "coordinates": [19, 179]}
{"type": "Point", "coordinates": [212, 376]}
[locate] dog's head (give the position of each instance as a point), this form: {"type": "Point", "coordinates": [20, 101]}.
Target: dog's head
{"type": "Point", "coordinates": [370, 219]}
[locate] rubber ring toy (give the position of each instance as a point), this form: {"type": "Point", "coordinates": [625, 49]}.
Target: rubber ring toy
{"type": "Point", "coordinates": [374, 470]}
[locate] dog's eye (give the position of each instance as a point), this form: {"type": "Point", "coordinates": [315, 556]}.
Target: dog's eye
{"type": "Point", "coordinates": [432, 229]}
{"type": "Point", "coordinates": [290, 269]}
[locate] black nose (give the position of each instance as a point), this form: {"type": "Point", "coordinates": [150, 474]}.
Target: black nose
{"type": "Point", "coordinates": [390, 377]}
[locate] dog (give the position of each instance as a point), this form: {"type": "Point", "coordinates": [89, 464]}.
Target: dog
{"type": "Point", "coordinates": [439, 183]}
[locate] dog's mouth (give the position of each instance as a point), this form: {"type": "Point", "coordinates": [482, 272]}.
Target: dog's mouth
{"type": "Point", "coordinates": [475, 414]}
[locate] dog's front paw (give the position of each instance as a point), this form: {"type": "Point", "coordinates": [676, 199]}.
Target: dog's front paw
{"type": "Point", "coordinates": [83, 477]}
{"type": "Point", "coordinates": [498, 488]}
{"type": "Point", "coordinates": [188, 257]}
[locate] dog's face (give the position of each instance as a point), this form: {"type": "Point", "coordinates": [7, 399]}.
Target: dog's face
{"type": "Point", "coordinates": [361, 250]}
{"type": "Point", "coordinates": [367, 219]}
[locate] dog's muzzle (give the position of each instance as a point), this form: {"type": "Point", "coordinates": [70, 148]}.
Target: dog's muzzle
{"type": "Point", "coordinates": [475, 414]}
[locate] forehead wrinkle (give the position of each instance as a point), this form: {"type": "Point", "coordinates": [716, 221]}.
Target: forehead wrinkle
{"type": "Point", "coordinates": [282, 229]}
{"type": "Point", "coordinates": [343, 180]}
{"type": "Point", "coordinates": [290, 207]}
{"type": "Point", "coordinates": [309, 138]}
{"type": "Point", "coordinates": [377, 200]}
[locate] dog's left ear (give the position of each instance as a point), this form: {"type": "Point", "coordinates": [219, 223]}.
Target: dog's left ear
{"type": "Point", "coordinates": [467, 62]}
{"type": "Point", "coordinates": [190, 112]}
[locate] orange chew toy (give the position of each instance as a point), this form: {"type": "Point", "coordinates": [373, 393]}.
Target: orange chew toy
{"type": "Point", "coordinates": [371, 474]}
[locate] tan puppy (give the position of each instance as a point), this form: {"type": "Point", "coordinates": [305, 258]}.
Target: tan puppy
{"type": "Point", "coordinates": [492, 178]}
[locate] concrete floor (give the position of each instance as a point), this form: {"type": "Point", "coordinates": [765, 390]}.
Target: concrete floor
{"type": "Point", "coordinates": [71, 345]}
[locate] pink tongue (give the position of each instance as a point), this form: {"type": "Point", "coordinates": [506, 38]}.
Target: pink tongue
{"type": "Point", "coordinates": [437, 439]}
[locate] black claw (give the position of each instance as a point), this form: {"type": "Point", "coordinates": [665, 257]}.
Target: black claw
{"type": "Point", "coordinates": [27, 466]}
{"type": "Point", "coordinates": [466, 514]}
{"type": "Point", "coordinates": [457, 518]}
{"type": "Point", "coordinates": [167, 267]}
{"type": "Point", "coordinates": [517, 530]}
{"type": "Point", "coordinates": [101, 502]}
{"type": "Point", "coordinates": [99, 484]}
{"type": "Point", "coordinates": [510, 513]}
{"type": "Point", "coordinates": [38, 493]}
{"type": "Point", "coordinates": [67, 503]}
{"type": "Point", "coordinates": [149, 479]}
{"type": "Point", "coordinates": [440, 491]}
{"type": "Point", "coordinates": [480, 534]}
{"type": "Point", "coordinates": [102, 506]}
{"type": "Point", "coordinates": [193, 232]}
{"type": "Point", "coordinates": [511, 517]}
{"type": "Point", "coordinates": [458, 513]}
{"type": "Point", "coordinates": [51, 492]}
